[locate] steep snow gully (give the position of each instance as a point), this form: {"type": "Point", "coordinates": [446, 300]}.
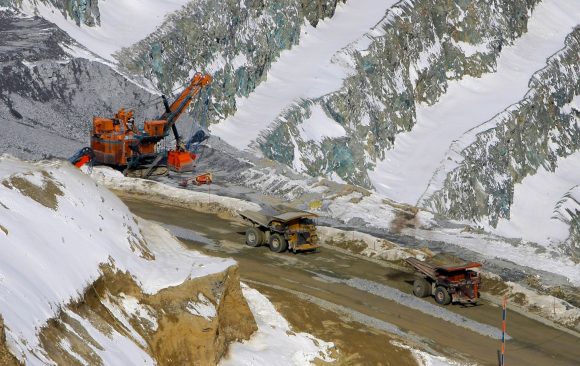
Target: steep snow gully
{"type": "Point", "coordinates": [407, 169]}
{"type": "Point", "coordinates": [305, 71]}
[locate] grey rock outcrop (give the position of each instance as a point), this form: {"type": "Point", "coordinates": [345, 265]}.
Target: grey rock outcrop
{"type": "Point", "coordinates": [47, 97]}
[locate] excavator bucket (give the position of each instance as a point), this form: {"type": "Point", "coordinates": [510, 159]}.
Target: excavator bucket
{"type": "Point", "coordinates": [180, 161]}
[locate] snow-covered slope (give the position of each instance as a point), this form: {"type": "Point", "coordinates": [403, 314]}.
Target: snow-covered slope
{"type": "Point", "coordinates": [60, 232]}
{"type": "Point", "coordinates": [410, 57]}
{"type": "Point", "coordinates": [122, 23]}
{"type": "Point", "coordinates": [58, 227]}
{"type": "Point", "coordinates": [477, 178]}
{"type": "Point", "coordinates": [534, 214]}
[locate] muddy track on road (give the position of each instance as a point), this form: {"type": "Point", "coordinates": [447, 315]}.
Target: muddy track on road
{"type": "Point", "coordinates": [315, 292]}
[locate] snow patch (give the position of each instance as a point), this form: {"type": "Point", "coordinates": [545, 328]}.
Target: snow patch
{"type": "Point", "coordinates": [120, 316]}
{"type": "Point", "coordinates": [133, 308]}
{"type": "Point", "coordinates": [67, 346]}
{"type": "Point", "coordinates": [116, 180]}
{"type": "Point", "coordinates": [114, 348]}
{"type": "Point", "coordinates": [275, 343]}
{"type": "Point", "coordinates": [426, 359]}
{"type": "Point", "coordinates": [369, 245]}
{"type": "Point", "coordinates": [546, 306]}
{"type": "Point", "coordinates": [532, 216]}
{"type": "Point", "coordinates": [203, 307]}
{"type": "Point", "coordinates": [319, 126]}
{"type": "Point", "coordinates": [469, 49]}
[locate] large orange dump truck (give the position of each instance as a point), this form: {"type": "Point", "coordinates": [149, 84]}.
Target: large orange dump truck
{"type": "Point", "coordinates": [295, 231]}
{"type": "Point", "coordinates": [447, 283]}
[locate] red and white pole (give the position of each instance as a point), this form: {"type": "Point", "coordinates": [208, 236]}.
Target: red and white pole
{"type": "Point", "coordinates": [503, 329]}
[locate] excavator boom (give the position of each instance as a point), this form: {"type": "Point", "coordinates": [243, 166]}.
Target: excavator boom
{"type": "Point", "coordinates": [174, 111]}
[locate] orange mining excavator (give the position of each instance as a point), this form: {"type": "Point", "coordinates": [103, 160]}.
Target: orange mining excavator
{"type": "Point", "coordinates": [119, 143]}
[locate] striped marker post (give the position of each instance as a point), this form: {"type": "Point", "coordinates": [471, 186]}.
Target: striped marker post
{"type": "Point", "coordinates": [503, 329]}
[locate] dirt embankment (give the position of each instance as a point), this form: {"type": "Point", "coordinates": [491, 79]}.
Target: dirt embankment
{"type": "Point", "coordinates": [189, 324]}
{"type": "Point", "coordinates": [200, 205]}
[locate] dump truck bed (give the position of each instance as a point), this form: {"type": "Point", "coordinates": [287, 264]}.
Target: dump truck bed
{"type": "Point", "coordinates": [264, 220]}
{"type": "Point", "coordinates": [425, 268]}
{"type": "Point", "coordinates": [256, 218]}
{"type": "Point", "coordinates": [433, 271]}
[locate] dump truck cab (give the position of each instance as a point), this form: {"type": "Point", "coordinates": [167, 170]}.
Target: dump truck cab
{"type": "Point", "coordinates": [295, 231]}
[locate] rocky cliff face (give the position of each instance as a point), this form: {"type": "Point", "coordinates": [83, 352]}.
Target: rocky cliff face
{"type": "Point", "coordinates": [413, 53]}
{"type": "Point", "coordinates": [81, 11]}
{"type": "Point", "coordinates": [314, 10]}
{"type": "Point", "coordinates": [534, 133]}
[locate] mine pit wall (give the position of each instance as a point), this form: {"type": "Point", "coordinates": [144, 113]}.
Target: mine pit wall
{"type": "Point", "coordinates": [179, 338]}
{"type": "Point", "coordinates": [247, 36]}
{"type": "Point", "coordinates": [542, 128]}
{"type": "Point", "coordinates": [418, 53]}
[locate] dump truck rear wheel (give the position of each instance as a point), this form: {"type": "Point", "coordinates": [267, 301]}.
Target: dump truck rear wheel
{"type": "Point", "coordinates": [442, 295]}
{"type": "Point", "coordinates": [421, 287]}
{"type": "Point", "coordinates": [254, 237]}
{"type": "Point", "coordinates": [277, 243]}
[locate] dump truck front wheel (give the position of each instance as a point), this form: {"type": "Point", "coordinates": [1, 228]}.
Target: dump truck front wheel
{"type": "Point", "coordinates": [277, 243]}
{"type": "Point", "coordinates": [442, 296]}
{"type": "Point", "coordinates": [254, 237]}
{"type": "Point", "coordinates": [421, 287]}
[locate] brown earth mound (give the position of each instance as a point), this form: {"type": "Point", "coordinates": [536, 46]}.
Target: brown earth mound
{"type": "Point", "coordinates": [163, 325]}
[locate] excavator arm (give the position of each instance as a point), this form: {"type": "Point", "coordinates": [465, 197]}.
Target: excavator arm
{"type": "Point", "coordinates": [174, 111]}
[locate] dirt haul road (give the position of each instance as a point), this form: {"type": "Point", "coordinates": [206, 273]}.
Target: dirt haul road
{"type": "Point", "coordinates": [358, 304]}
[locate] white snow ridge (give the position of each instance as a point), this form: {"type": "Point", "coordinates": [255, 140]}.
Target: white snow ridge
{"type": "Point", "coordinates": [55, 241]}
